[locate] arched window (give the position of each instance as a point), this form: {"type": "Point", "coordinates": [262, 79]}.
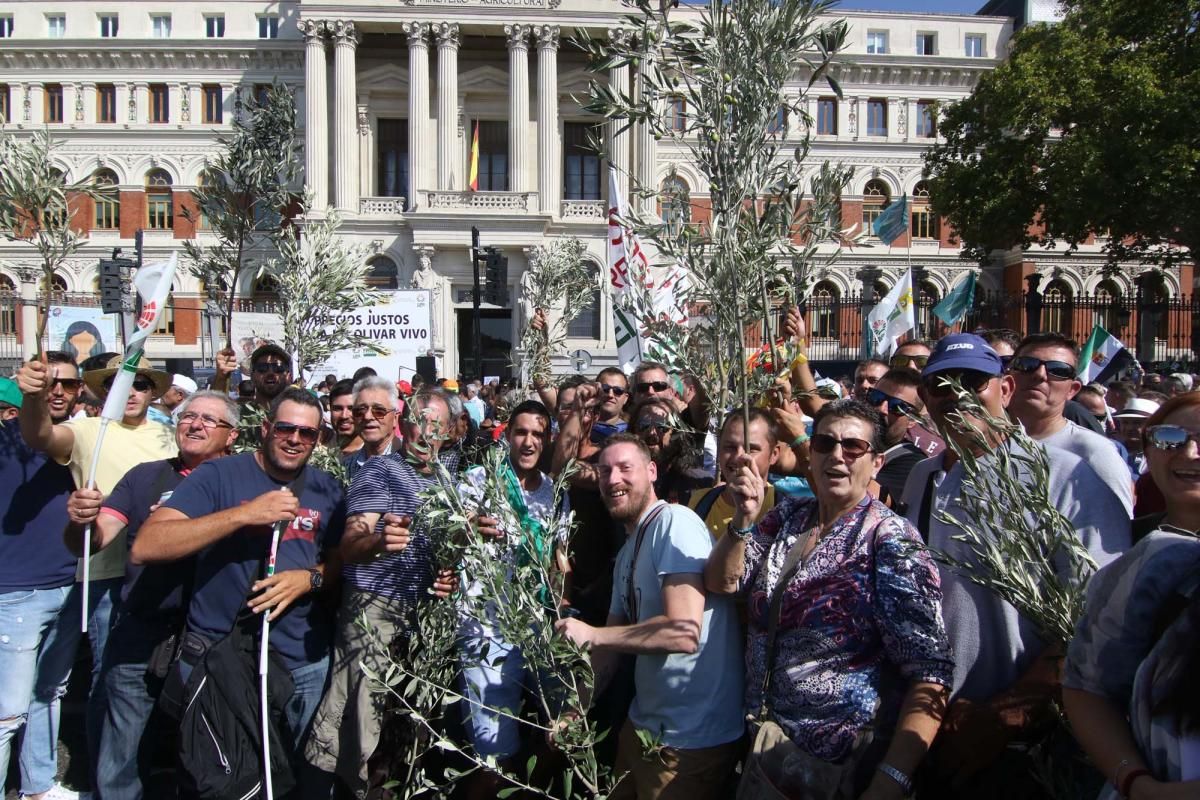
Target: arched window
{"type": "Point", "coordinates": [8, 306]}
{"type": "Point", "coordinates": [1108, 307]}
{"type": "Point", "coordinates": [383, 274]}
{"type": "Point", "coordinates": [927, 323]}
{"type": "Point", "coordinates": [587, 324]}
{"type": "Point", "coordinates": [923, 221]}
{"type": "Point", "coordinates": [160, 215]}
{"type": "Point", "coordinates": [108, 200]}
{"type": "Point", "coordinates": [876, 197]}
{"type": "Point", "coordinates": [1058, 307]}
{"type": "Point", "coordinates": [205, 178]}
{"type": "Point", "coordinates": [824, 306]}
{"type": "Point", "coordinates": [676, 205]}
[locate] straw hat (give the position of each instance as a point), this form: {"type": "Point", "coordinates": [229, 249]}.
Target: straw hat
{"type": "Point", "coordinates": [95, 378]}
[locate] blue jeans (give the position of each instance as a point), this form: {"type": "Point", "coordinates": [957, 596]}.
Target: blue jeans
{"type": "Point", "coordinates": [31, 669]}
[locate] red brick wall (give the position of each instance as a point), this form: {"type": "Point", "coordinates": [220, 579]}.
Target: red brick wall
{"type": "Point", "coordinates": [184, 227]}
{"type": "Point", "coordinates": [133, 213]}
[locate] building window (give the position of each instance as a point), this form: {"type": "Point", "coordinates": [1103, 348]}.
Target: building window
{"type": "Point", "coordinates": [876, 197]}
{"type": "Point", "coordinates": [262, 94]}
{"type": "Point", "coordinates": [926, 119]}
{"type": "Point", "coordinates": [160, 103]}
{"type": "Point", "coordinates": [8, 305]}
{"type": "Point", "coordinates": [56, 26]}
{"type": "Point", "coordinates": [676, 113]}
{"type": "Point", "coordinates": [5, 103]}
{"type": "Point", "coordinates": [160, 215]}
{"type": "Point", "coordinates": [383, 274]}
{"type": "Point", "coordinates": [1057, 308]}
{"type": "Point", "coordinates": [877, 42]}
{"type": "Point", "coordinates": [1108, 307]}
{"type": "Point", "coordinates": [160, 26]}
{"type": "Point", "coordinates": [108, 26]}
{"type": "Point", "coordinates": [166, 320]}
{"type": "Point", "coordinates": [676, 205]}
{"type": "Point", "coordinates": [778, 124]}
{"type": "Point", "coordinates": [924, 222]}
{"type": "Point", "coordinates": [581, 163]}
{"type": "Point", "coordinates": [214, 26]}
{"type": "Point", "coordinates": [54, 102]}
{"type": "Point", "coordinates": [927, 44]}
{"type": "Point", "coordinates": [108, 200]}
{"type": "Point", "coordinates": [106, 103]}
{"type": "Point", "coordinates": [827, 113]}
{"type": "Point", "coordinates": [493, 156]}
{"type": "Point", "coordinates": [974, 44]}
{"type": "Point", "coordinates": [6, 27]}
{"type": "Point", "coordinates": [268, 27]}
{"type": "Point", "coordinates": [214, 104]}
{"type": "Point", "coordinates": [824, 305]}
{"type": "Point", "coordinates": [877, 118]}
{"type": "Point", "coordinates": [586, 324]}
{"type": "Point", "coordinates": [393, 157]}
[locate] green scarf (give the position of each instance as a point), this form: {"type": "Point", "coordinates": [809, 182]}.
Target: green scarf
{"type": "Point", "coordinates": [535, 545]}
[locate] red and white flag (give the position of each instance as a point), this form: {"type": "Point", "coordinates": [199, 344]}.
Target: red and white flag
{"type": "Point", "coordinates": [153, 283]}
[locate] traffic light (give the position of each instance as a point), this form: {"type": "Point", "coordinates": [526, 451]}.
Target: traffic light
{"type": "Point", "coordinates": [112, 290]}
{"type": "Point", "coordinates": [495, 289]}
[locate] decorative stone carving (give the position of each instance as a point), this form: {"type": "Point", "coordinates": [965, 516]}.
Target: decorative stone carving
{"type": "Point", "coordinates": [547, 36]}
{"type": "Point", "coordinates": [425, 278]}
{"type": "Point", "coordinates": [447, 34]}
{"type": "Point", "coordinates": [620, 37]}
{"type": "Point", "coordinates": [132, 104]}
{"type": "Point", "coordinates": [417, 33]}
{"type": "Point", "coordinates": [902, 120]}
{"type": "Point", "coordinates": [313, 29]}
{"type": "Point", "coordinates": [854, 117]}
{"type": "Point", "coordinates": [78, 105]}
{"type": "Point", "coordinates": [27, 103]}
{"type": "Point", "coordinates": [364, 121]}
{"type": "Point", "coordinates": [344, 32]}
{"type": "Point", "coordinates": [517, 36]}
{"type": "Point", "coordinates": [185, 102]}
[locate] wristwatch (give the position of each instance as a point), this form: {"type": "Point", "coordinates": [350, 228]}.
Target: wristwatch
{"type": "Point", "coordinates": [906, 784]}
{"type": "Point", "coordinates": [315, 580]}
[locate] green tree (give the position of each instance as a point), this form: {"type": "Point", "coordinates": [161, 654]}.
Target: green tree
{"type": "Point", "coordinates": [1089, 126]}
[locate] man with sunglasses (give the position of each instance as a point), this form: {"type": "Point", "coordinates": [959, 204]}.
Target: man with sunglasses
{"type": "Point", "coordinates": [223, 514]}
{"type": "Point", "coordinates": [913, 354]}
{"type": "Point", "coordinates": [1004, 676]}
{"type": "Point", "coordinates": [1044, 369]}
{"type": "Point", "coordinates": [897, 397]}
{"type": "Point", "coordinates": [866, 375]}
{"type": "Point", "coordinates": [614, 397]}
{"type": "Point", "coordinates": [37, 573]}
{"type": "Point", "coordinates": [374, 410]}
{"type": "Point", "coordinates": [153, 597]}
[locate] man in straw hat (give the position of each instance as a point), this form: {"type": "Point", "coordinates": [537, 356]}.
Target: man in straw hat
{"type": "Point", "coordinates": [135, 440]}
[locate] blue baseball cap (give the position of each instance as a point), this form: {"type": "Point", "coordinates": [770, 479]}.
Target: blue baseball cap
{"type": "Point", "coordinates": [963, 351]}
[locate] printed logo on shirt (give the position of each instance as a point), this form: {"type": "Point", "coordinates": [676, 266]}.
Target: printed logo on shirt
{"type": "Point", "coordinates": [304, 526]}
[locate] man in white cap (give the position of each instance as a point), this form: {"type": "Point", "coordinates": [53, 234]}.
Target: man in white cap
{"type": "Point", "coordinates": [163, 409]}
{"type": "Point", "coordinates": [1131, 421]}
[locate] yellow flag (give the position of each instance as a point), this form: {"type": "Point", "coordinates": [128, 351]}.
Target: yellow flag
{"type": "Point", "coordinates": [474, 180]}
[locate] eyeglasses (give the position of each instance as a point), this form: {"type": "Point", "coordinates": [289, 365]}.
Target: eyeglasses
{"type": "Point", "coordinates": [899, 361]}
{"type": "Point", "coordinates": [971, 380]}
{"type": "Point", "coordinates": [1170, 437]}
{"type": "Point", "coordinates": [1055, 370]}
{"type": "Point", "coordinates": [378, 412]}
{"type": "Point", "coordinates": [284, 430]}
{"type": "Point", "coordinates": [895, 405]}
{"type": "Point", "coordinates": [68, 384]}
{"type": "Point", "coordinates": [140, 384]}
{"type": "Point", "coordinates": [278, 369]}
{"type": "Point", "coordinates": [646, 386]}
{"type": "Point", "coordinates": [653, 425]}
{"type": "Point", "coordinates": [852, 448]}
{"type": "Point", "coordinates": [617, 391]}
{"type": "Point", "coordinates": [207, 421]}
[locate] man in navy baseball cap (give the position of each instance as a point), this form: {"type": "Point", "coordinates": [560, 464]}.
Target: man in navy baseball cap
{"type": "Point", "coordinates": [962, 351]}
{"type": "Point", "coordinates": [976, 367]}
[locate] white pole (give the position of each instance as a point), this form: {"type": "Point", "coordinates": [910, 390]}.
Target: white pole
{"type": "Point", "coordinates": [87, 532]}
{"type": "Point", "coordinates": [276, 534]}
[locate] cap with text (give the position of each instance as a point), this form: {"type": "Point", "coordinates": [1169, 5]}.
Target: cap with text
{"type": "Point", "coordinates": [963, 351]}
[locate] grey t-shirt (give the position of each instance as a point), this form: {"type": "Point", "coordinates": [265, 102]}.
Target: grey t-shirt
{"type": "Point", "coordinates": [1103, 457]}
{"type": "Point", "coordinates": [692, 700]}
{"type": "Point", "coordinates": [994, 644]}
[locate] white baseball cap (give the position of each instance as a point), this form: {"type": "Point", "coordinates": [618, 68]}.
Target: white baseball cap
{"type": "Point", "coordinates": [184, 383]}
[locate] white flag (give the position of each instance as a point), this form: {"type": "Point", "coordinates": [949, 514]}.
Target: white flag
{"type": "Point", "coordinates": [892, 317]}
{"type": "Point", "coordinates": [153, 283]}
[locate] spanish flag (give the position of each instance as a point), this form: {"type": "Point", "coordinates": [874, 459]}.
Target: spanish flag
{"type": "Point", "coordinates": [474, 179]}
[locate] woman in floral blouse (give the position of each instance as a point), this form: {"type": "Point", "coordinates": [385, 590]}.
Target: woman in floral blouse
{"type": "Point", "coordinates": [862, 662]}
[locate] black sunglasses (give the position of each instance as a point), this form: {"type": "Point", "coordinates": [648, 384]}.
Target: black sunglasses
{"type": "Point", "coordinates": [278, 369]}
{"type": "Point", "coordinates": [653, 425]}
{"type": "Point", "coordinates": [68, 384]}
{"type": "Point", "coordinates": [378, 412]}
{"type": "Point", "coordinates": [658, 386]}
{"type": "Point", "coordinates": [895, 405]}
{"type": "Point", "coordinates": [1170, 437]}
{"type": "Point", "coordinates": [972, 380]}
{"type": "Point", "coordinates": [1055, 370]}
{"type": "Point", "coordinates": [618, 391]}
{"type": "Point", "coordinates": [139, 383]}
{"type": "Point", "coordinates": [852, 448]}
{"type": "Point", "coordinates": [899, 361]}
{"type": "Point", "coordinates": [284, 430]}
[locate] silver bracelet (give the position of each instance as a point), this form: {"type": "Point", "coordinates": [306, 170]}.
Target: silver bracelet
{"type": "Point", "coordinates": [906, 784]}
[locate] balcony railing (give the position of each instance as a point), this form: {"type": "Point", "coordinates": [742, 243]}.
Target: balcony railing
{"type": "Point", "coordinates": [583, 211]}
{"type": "Point", "coordinates": [483, 202]}
{"type": "Point", "coordinates": [381, 206]}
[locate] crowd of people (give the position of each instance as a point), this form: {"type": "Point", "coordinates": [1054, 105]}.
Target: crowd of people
{"type": "Point", "coordinates": [774, 572]}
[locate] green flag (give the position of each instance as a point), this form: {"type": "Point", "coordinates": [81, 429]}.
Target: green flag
{"type": "Point", "coordinates": [957, 302]}
{"type": "Point", "coordinates": [892, 223]}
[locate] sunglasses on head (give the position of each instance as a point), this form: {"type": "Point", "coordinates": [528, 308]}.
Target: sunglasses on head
{"type": "Point", "coordinates": [617, 391]}
{"type": "Point", "coordinates": [900, 361]}
{"type": "Point", "coordinates": [1170, 437]}
{"type": "Point", "coordinates": [278, 369]}
{"type": "Point", "coordinates": [140, 384]}
{"type": "Point", "coordinates": [1055, 370]}
{"type": "Point", "coordinates": [284, 430]}
{"type": "Point", "coordinates": [852, 448]}
{"type": "Point", "coordinates": [658, 386]}
{"type": "Point", "coordinates": [895, 405]}
{"type": "Point", "coordinates": [971, 380]}
{"type": "Point", "coordinates": [376, 411]}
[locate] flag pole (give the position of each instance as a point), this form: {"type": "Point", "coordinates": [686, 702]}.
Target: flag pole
{"type": "Point", "coordinates": [263, 704]}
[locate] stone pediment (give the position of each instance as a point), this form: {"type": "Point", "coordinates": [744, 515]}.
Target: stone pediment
{"type": "Point", "coordinates": [383, 78]}
{"type": "Point", "coordinates": [484, 80]}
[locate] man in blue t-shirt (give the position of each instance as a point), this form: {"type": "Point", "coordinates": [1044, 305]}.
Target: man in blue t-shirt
{"type": "Point", "coordinates": [224, 514]}
{"type": "Point", "coordinates": [36, 575]}
{"type": "Point", "coordinates": [154, 596]}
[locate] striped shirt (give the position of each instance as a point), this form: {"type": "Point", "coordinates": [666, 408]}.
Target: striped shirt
{"type": "Point", "coordinates": [389, 485]}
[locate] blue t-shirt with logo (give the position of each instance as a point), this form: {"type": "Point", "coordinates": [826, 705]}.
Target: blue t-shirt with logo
{"type": "Point", "coordinates": [33, 514]}
{"type": "Point", "coordinates": [226, 569]}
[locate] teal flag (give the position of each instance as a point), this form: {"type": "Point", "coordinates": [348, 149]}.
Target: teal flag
{"type": "Point", "coordinates": [893, 222]}
{"type": "Point", "coordinates": [958, 302]}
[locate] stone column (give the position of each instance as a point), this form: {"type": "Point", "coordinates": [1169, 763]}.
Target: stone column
{"type": "Point", "coordinates": [122, 91]}
{"type": "Point", "coordinates": [647, 155]}
{"type": "Point", "coordinates": [141, 91]}
{"type": "Point", "coordinates": [518, 105]}
{"type": "Point", "coordinates": [316, 113]}
{"type": "Point", "coordinates": [228, 102]}
{"type": "Point", "coordinates": [88, 90]}
{"type": "Point", "coordinates": [72, 103]}
{"type": "Point", "coordinates": [345, 116]}
{"type": "Point", "coordinates": [175, 94]}
{"type": "Point", "coordinates": [618, 143]}
{"type": "Point", "coordinates": [418, 108]}
{"type": "Point", "coordinates": [549, 151]}
{"type": "Point", "coordinates": [366, 146]}
{"type": "Point", "coordinates": [449, 159]}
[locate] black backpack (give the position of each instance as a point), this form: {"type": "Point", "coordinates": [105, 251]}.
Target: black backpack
{"type": "Point", "coordinates": [220, 748]}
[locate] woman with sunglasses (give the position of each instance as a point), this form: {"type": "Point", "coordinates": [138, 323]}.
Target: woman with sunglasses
{"type": "Point", "coordinates": [1130, 680]}
{"type": "Point", "coordinates": [847, 662]}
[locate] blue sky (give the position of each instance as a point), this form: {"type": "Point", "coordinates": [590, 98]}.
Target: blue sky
{"type": "Point", "coordinates": [953, 6]}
